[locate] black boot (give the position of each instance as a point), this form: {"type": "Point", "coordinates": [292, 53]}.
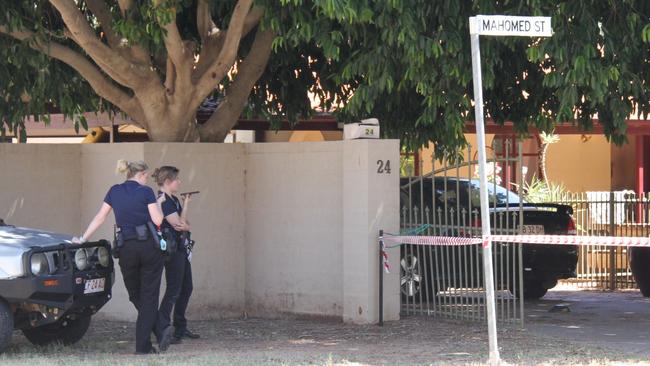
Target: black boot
{"type": "Point", "coordinates": [186, 333]}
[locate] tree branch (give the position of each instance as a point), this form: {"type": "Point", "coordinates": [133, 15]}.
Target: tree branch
{"type": "Point", "coordinates": [212, 45]}
{"type": "Point", "coordinates": [170, 77]}
{"type": "Point", "coordinates": [204, 21]}
{"type": "Point", "coordinates": [133, 52]}
{"type": "Point", "coordinates": [110, 61]}
{"type": "Point", "coordinates": [175, 46]}
{"type": "Point", "coordinates": [248, 73]}
{"type": "Point", "coordinates": [102, 86]}
{"type": "Point", "coordinates": [99, 8]}
{"type": "Point", "coordinates": [228, 52]}
{"type": "Point", "coordinates": [177, 53]}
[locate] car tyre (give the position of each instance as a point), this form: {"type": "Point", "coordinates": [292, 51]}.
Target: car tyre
{"type": "Point", "coordinates": [6, 325]}
{"type": "Point", "coordinates": [534, 290]}
{"type": "Point", "coordinates": [66, 331]}
{"type": "Point", "coordinates": [639, 259]}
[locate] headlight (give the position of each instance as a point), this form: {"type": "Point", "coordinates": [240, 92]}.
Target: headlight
{"type": "Point", "coordinates": [38, 264]}
{"type": "Point", "coordinates": [81, 259]}
{"type": "Point", "coordinates": [103, 256]}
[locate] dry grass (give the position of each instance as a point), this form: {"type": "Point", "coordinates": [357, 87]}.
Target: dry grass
{"type": "Point", "coordinates": [411, 341]}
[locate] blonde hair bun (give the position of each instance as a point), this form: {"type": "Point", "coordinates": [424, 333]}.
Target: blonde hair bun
{"type": "Point", "coordinates": [122, 166]}
{"type": "Point", "coordinates": [131, 168]}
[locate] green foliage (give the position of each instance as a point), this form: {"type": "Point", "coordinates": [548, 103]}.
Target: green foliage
{"type": "Point", "coordinates": [33, 84]}
{"type": "Point", "coordinates": [416, 67]}
{"type": "Point", "coordinates": [406, 62]}
{"type": "Point", "coordinates": [538, 191]}
{"type": "Point", "coordinates": [407, 165]}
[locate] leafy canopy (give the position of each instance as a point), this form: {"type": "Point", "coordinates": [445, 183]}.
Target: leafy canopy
{"type": "Point", "coordinates": [406, 62]}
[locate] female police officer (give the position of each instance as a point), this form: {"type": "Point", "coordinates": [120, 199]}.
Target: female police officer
{"type": "Point", "coordinates": [178, 271]}
{"type": "Point", "coordinates": [141, 262]}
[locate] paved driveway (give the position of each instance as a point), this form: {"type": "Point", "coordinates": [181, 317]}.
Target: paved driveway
{"type": "Point", "coordinates": [618, 320]}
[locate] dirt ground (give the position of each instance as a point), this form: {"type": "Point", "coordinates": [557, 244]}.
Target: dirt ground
{"type": "Point", "coordinates": [598, 328]}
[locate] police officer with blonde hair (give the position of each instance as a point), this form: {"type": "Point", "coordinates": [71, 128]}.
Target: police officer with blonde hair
{"type": "Point", "coordinates": [141, 260]}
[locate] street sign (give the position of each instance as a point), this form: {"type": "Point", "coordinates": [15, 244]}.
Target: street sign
{"type": "Point", "coordinates": [504, 25]}
{"type": "Point", "coordinates": [494, 25]}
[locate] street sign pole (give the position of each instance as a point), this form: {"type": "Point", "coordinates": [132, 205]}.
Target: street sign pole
{"type": "Point", "coordinates": [495, 25]}
{"type": "Point", "coordinates": [488, 273]}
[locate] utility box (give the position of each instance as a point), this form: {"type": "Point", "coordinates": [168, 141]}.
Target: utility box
{"type": "Point", "coordinates": [366, 129]}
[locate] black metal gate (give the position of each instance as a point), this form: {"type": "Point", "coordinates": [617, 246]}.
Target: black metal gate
{"type": "Point", "coordinates": [448, 280]}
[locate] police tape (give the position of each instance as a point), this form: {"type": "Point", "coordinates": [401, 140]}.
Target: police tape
{"type": "Point", "coordinates": [432, 240]}
{"type": "Point", "coordinates": [384, 256]}
{"type": "Point", "coordinates": [623, 241]}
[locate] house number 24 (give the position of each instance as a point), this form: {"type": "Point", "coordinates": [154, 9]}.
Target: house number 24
{"type": "Point", "coordinates": [383, 167]}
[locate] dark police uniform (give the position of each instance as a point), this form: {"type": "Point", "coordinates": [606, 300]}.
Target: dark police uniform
{"type": "Point", "coordinates": [140, 261]}
{"type": "Point", "coordinates": [178, 274]}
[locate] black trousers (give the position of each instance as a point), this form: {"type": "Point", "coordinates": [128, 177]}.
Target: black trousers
{"type": "Point", "coordinates": [142, 264]}
{"type": "Point", "coordinates": [178, 274]}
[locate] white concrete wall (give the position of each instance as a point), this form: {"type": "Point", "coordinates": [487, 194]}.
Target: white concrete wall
{"type": "Point", "coordinates": [280, 228]}
{"type": "Point", "coordinates": [370, 203]}
{"type": "Point", "coordinates": [294, 228]}
{"type": "Point", "coordinates": [40, 186]}
{"type": "Point", "coordinates": [313, 213]}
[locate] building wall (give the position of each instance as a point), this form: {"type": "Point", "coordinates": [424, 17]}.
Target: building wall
{"type": "Point", "coordinates": [580, 165]}
{"type": "Point", "coordinates": [470, 153]}
{"type": "Point", "coordinates": [624, 166]}
{"type": "Point", "coordinates": [302, 136]}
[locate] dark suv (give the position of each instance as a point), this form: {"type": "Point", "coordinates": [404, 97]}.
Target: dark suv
{"type": "Point", "coordinates": [455, 211]}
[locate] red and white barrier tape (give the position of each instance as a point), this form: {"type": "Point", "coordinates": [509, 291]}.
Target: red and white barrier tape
{"type": "Point", "coordinates": [384, 256]}
{"type": "Point", "coordinates": [625, 241]}
{"type": "Point", "coordinates": [433, 240]}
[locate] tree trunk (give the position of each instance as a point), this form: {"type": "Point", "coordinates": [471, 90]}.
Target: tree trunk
{"type": "Point", "coordinates": [169, 119]}
{"type": "Point", "coordinates": [543, 163]}
{"type": "Point", "coordinates": [173, 130]}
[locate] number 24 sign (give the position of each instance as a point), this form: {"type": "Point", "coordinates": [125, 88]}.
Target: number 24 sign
{"type": "Point", "coordinates": [383, 167]}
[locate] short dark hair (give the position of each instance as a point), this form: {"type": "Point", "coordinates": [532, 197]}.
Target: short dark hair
{"type": "Point", "coordinates": [163, 173]}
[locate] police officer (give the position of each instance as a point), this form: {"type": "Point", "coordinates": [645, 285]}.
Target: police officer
{"type": "Point", "coordinates": [178, 270]}
{"type": "Point", "coordinates": [141, 259]}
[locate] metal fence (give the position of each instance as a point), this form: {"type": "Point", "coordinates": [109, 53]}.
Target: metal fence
{"type": "Point", "coordinates": [447, 281]}
{"type": "Point", "coordinates": [619, 213]}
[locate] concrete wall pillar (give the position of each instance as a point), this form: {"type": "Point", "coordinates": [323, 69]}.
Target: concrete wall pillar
{"type": "Point", "coordinates": [370, 203]}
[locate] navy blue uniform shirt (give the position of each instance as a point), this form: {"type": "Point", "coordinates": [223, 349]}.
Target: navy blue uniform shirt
{"type": "Point", "coordinates": [130, 201]}
{"type": "Point", "coordinates": [171, 205]}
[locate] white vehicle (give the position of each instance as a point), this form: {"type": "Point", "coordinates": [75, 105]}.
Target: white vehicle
{"type": "Point", "coordinates": [49, 287]}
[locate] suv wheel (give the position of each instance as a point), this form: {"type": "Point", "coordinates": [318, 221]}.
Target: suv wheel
{"type": "Point", "coordinates": [410, 279]}
{"type": "Point", "coordinates": [6, 325]}
{"type": "Point", "coordinates": [639, 259]}
{"type": "Point", "coordinates": [534, 290]}
{"type": "Point", "coordinates": [66, 331]}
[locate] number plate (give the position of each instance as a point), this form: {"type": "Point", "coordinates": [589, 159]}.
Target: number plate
{"type": "Point", "coordinates": [533, 229]}
{"type": "Point", "coordinates": [94, 285]}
